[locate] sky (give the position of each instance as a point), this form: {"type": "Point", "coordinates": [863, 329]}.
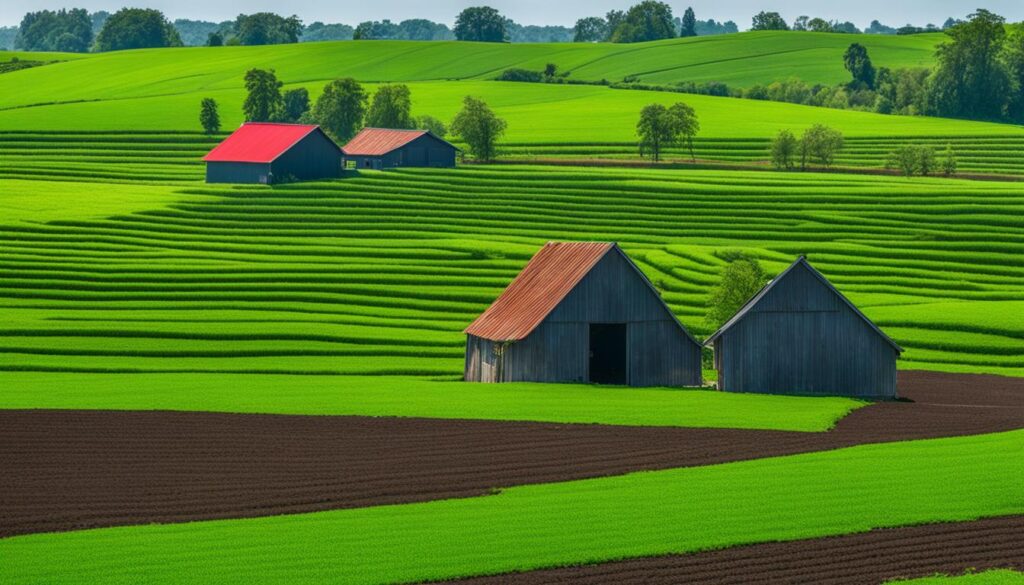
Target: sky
{"type": "Point", "coordinates": [561, 12]}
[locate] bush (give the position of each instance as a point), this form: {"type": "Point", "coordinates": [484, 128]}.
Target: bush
{"type": "Point", "coordinates": [519, 74]}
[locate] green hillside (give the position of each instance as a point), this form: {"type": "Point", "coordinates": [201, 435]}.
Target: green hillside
{"type": "Point", "coordinates": [739, 59]}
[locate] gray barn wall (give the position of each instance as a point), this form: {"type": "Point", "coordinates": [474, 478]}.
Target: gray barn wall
{"type": "Point", "coordinates": [313, 157]}
{"type": "Point", "coordinates": [659, 351]}
{"type": "Point", "coordinates": [425, 151]}
{"type": "Point", "coordinates": [803, 339]}
{"type": "Point", "coordinates": [236, 172]}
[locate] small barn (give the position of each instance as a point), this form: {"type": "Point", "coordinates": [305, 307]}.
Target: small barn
{"type": "Point", "coordinates": [581, 312]}
{"type": "Point", "coordinates": [384, 148]}
{"type": "Point", "coordinates": [799, 335]}
{"type": "Point", "coordinates": [261, 152]}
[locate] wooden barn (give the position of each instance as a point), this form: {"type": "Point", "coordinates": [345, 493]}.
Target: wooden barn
{"type": "Point", "coordinates": [799, 335]}
{"type": "Point", "coordinates": [268, 153]}
{"type": "Point", "coordinates": [581, 312]}
{"type": "Point", "coordinates": [384, 148]}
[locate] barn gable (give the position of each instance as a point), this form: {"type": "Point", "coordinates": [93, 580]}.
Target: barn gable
{"type": "Point", "coordinates": [799, 288]}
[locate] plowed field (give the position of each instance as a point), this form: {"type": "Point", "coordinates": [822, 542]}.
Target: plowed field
{"type": "Point", "coordinates": [67, 470]}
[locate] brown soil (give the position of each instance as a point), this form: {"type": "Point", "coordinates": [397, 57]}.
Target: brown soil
{"type": "Point", "coordinates": [68, 470]}
{"type": "Point", "coordinates": [855, 559]}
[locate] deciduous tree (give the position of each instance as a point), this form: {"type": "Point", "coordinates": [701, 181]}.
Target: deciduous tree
{"type": "Point", "coordinates": [649, 20]}
{"type": "Point", "coordinates": [390, 107]}
{"type": "Point", "coordinates": [295, 103]}
{"type": "Point", "coordinates": [436, 127]}
{"type": "Point", "coordinates": [263, 102]}
{"type": "Point", "coordinates": [479, 128]}
{"type": "Point", "coordinates": [208, 116]}
{"type": "Point", "coordinates": [689, 24]}
{"type": "Point", "coordinates": [820, 143]}
{"type": "Point", "coordinates": [857, 62]}
{"type": "Point", "coordinates": [784, 149]}
{"type": "Point", "coordinates": [137, 28]}
{"type": "Point", "coordinates": [768, 21]}
{"type": "Point", "coordinates": [660, 128]}
{"type": "Point", "coordinates": [971, 81]}
{"type": "Point", "coordinates": [591, 29]}
{"type": "Point", "coordinates": [741, 279]}
{"type": "Point", "coordinates": [340, 109]}
{"type": "Point", "coordinates": [481, 23]}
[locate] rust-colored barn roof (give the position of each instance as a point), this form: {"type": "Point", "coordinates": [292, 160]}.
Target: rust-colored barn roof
{"type": "Point", "coordinates": [259, 142]}
{"type": "Point", "coordinates": [380, 141]}
{"type": "Point", "coordinates": [548, 277]}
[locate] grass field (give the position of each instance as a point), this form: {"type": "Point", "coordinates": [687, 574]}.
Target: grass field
{"type": "Point", "coordinates": [288, 279]}
{"type": "Point", "coordinates": [993, 577]}
{"type": "Point", "coordinates": [409, 396]}
{"type": "Point", "coordinates": [553, 524]}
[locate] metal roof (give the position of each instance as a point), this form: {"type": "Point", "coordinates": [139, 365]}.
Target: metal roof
{"type": "Point", "coordinates": [259, 142]}
{"type": "Point", "coordinates": [380, 141]}
{"type": "Point", "coordinates": [801, 261]}
{"type": "Point", "coordinates": [547, 279]}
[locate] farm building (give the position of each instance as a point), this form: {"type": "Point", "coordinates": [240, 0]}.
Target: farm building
{"type": "Point", "coordinates": [799, 335]}
{"type": "Point", "coordinates": [581, 312]}
{"type": "Point", "coordinates": [261, 152]}
{"type": "Point", "coordinates": [383, 148]}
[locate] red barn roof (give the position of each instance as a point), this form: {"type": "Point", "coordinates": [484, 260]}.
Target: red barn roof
{"type": "Point", "coordinates": [380, 141]}
{"type": "Point", "coordinates": [548, 277]}
{"type": "Point", "coordinates": [259, 142]}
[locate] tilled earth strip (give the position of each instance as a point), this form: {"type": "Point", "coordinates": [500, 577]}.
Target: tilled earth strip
{"type": "Point", "coordinates": [854, 559]}
{"type": "Point", "coordinates": [69, 470]}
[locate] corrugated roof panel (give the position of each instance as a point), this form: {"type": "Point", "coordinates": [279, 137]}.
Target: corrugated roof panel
{"type": "Point", "coordinates": [380, 141]}
{"type": "Point", "coordinates": [258, 142]}
{"type": "Point", "coordinates": [548, 277]}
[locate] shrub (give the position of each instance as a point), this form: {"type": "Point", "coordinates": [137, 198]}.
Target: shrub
{"type": "Point", "coordinates": [519, 74]}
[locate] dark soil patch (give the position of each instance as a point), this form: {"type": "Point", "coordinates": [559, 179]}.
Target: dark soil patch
{"type": "Point", "coordinates": [69, 470]}
{"type": "Point", "coordinates": [854, 559]}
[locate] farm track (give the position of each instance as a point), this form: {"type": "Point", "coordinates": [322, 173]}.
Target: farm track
{"type": "Point", "coordinates": [69, 470]}
{"type": "Point", "coordinates": [855, 559]}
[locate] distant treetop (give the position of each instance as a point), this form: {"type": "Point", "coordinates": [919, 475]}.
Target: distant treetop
{"type": "Point", "coordinates": [137, 28]}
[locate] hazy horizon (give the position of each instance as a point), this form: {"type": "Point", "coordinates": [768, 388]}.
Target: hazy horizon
{"type": "Point", "coordinates": [565, 13]}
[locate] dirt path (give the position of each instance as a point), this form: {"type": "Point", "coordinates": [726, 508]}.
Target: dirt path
{"type": "Point", "coordinates": [68, 470]}
{"type": "Point", "coordinates": [855, 559]}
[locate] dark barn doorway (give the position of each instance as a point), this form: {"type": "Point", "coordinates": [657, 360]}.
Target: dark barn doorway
{"type": "Point", "coordinates": [608, 353]}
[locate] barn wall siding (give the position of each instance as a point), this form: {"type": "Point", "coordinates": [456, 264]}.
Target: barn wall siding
{"type": "Point", "coordinates": [558, 350]}
{"type": "Point", "coordinates": [236, 172]}
{"type": "Point", "coordinates": [313, 157]}
{"type": "Point", "coordinates": [801, 338]}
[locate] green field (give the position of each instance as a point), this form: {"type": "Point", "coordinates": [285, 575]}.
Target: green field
{"type": "Point", "coordinates": [553, 524]}
{"type": "Point", "coordinates": [196, 278]}
{"type": "Point", "coordinates": [409, 396]}
{"type": "Point", "coordinates": [993, 577]}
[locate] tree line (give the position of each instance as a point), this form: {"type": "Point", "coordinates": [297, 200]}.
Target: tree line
{"type": "Point", "coordinates": [344, 107]}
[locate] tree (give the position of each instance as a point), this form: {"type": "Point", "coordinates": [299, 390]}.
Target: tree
{"type": "Point", "coordinates": [1013, 57]}
{"type": "Point", "coordinates": [971, 81]}
{"type": "Point", "coordinates": [660, 128]}
{"type": "Point", "coordinates": [819, 25]}
{"type": "Point", "coordinates": [800, 23]}
{"type": "Point", "coordinates": [769, 21]}
{"type": "Point", "coordinates": [592, 29]}
{"type": "Point", "coordinates": [742, 278]}
{"type": "Point", "coordinates": [390, 107]}
{"type": "Point", "coordinates": [436, 127]}
{"type": "Point", "coordinates": [821, 143]}
{"type": "Point", "coordinates": [925, 159]}
{"type": "Point", "coordinates": [649, 20]}
{"type": "Point", "coordinates": [481, 23]}
{"type": "Point", "coordinates": [263, 102]}
{"type": "Point", "coordinates": [137, 28]}
{"type": "Point", "coordinates": [294, 103]}
{"type": "Point", "coordinates": [319, 31]}
{"type": "Point", "coordinates": [903, 158]}
{"type": "Point", "coordinates": [479, 128]}
{"type": "Point", "coordinates": [215, 39]}
{"type": "Point", "coordinates": [61, 30]}
{"type": "Point", "coordinates": [550, 70]}
{"type": "Point", "coordinates": [857, 62]}
{"type": "Point", "coordinates": [340, 108]}
{"type": "Point", "coordinates": [784, 149]}
{"type": "Point", "coordinates": [267, 28]}
{"type": "Point", "coordinates": [689, 24]}
{"type": "Point", "coordinates": [948, 162]}
{"type": "Point", "coordinates": [208, 116]}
